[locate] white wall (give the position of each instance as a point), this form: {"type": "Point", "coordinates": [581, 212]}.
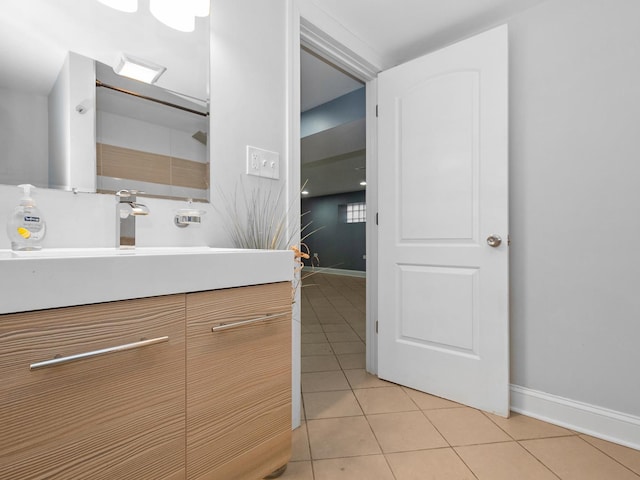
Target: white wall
{"type": "Point", "coordinates": [23, 138]}
{"type": "Point", "coordinates": [575, 201]}
{"type": "Point", "coordinates": [249, 106]}
{"type": "Point", "coordinates": [248, 92]}
{"type": "Point", "coordinates": [72, 133]}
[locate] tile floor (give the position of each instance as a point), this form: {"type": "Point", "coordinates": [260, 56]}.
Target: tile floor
{"type": "Point", "coordinates": [357, 427]}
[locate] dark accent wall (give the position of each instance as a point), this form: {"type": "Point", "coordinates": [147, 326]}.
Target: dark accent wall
{"type": "Point", "coordinates": [338, 244]}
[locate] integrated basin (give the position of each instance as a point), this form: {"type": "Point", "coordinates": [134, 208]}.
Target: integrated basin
{"type": "Point", "coordinates": [60, 277]}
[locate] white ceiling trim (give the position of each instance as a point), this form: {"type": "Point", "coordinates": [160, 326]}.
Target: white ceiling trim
{"type": "Point", "coordinates": [317, 41]}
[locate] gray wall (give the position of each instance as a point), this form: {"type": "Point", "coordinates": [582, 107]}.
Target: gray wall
{"type": "Point", "coordinates": [23, 138]}
{"type": "Point", "coordinates": [338, 244]}
{"type": "Point", "coordinates": [575, 200]}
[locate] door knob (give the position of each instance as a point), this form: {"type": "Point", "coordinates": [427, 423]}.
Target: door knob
{"type": "Point", "coordinates": [494, 240]}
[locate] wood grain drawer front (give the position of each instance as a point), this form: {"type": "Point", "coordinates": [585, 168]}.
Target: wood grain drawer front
{"type": "Point", "coordinates": [238, 382]}
{"type": "Point", "coordinates": [115, 416]}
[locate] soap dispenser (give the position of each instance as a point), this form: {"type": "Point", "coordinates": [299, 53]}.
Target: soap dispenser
{"type": "Point", "coordinates": [26, 226]}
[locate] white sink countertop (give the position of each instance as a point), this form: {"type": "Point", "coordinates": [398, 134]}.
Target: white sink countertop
{"type": "Point", "coordinates": [59, 277]}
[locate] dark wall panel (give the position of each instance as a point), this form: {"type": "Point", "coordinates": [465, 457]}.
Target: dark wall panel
{"type": "Point", "coordinates": [338, 244]}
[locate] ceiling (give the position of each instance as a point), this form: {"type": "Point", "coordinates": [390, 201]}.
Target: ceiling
{"type": "Point", "coordinates": [33, 46]}
{"type": "Point", "coordinates": [396, 32]}
{"type": "Point", "coordinates": [401, 30]}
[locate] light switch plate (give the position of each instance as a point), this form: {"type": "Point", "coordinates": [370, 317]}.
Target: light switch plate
{"type": "Point", "coordinates": [263, 163]}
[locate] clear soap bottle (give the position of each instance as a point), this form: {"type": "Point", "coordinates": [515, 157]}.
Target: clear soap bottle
{"type": "Point", "coordinates": [26, 226]}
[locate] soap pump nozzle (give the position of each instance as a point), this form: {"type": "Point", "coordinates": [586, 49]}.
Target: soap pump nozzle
{"type": "Point", "coordinates": [26, 199]}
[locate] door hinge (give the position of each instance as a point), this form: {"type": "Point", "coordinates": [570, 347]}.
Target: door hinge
{"type": "Point", "coordinates": [508, 240]}
{"type": "Point", "coordinates": [376, 326]}
{"type": "Point", "coordinates": [376, 218]}
{"type": "Point", "coordinates": [376, 111]}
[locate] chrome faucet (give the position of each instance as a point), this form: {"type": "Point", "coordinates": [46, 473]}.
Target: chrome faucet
{"type": "Point", "coordinates": [126, 211]}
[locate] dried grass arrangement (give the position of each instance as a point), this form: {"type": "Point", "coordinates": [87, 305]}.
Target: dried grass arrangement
{"type": "Point", "coordinates": [258, 218]}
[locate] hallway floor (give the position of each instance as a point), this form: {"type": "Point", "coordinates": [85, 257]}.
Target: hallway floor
{"type": "Point", "coordinates": [357, 427]}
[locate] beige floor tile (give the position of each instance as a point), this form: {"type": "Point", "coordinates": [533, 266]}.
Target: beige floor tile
{"type": "Point", "coordinates": [303, 414]}
{"type": "Point", "coordinates": [521, 427]}
{"type": "Point", "coordinates": [323, 381]}
{"type": "Point", "coordinates": [341, 437]}
{"type": "Point", "coordinates": [338, 328]}
{"type": "Point", "coordinates": [319, 363]}
{"type": "Point", "coordinates": [313, 338]}
{"type": "Point", "coordinates": [384, 400]}
{"type": "Point", "coordinates": [312, 328]}
{"type": "Point", "coordinates": [298, 471]}
{"type": "Point", "coordinates": [373, 467]}
{"type": "Point", "coordinates": [503, 461]}
{"type": "Point", "coordinates": [405, 431]}
{"type": "Point", "coordinates": [300, 444]}
{"type": "Point", "coordinates": [332, 321]}
{"type": "Point", "coordinates": [348, 347]}
{"type": "Point", "coordinates": [349, 336]}
{"type": "Point", "coordinates": [465, 426]}
{"type": "Point", "coordinates": [331, 404]}
{"type": "Point", "coordinates": [350, 361]}
{"type": "Point", "coordinates": [629, 457]}
{"type": "Point", "coordinates": [309, 349]}
{"type": "Point", "coordinates": [360, 378]}
{"type": "Point", "coordinates": [429, 402]}
{"type": "Point", "coordinates": [572, 458]}
{"type": "Point", "coordinates": [439, 464]}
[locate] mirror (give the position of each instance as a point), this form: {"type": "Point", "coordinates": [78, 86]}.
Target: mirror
{"type": "Point", "coordinates": [37, 38]}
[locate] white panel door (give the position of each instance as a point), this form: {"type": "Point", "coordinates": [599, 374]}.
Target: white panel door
{"type": "Point", "coordinates": [443, 290]}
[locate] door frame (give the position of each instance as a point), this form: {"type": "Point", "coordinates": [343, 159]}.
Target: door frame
{"type": "Point", "coordinates": [312, 28]}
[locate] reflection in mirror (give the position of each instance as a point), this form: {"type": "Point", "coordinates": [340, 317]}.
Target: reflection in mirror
{"type": "Point", "coordinates": [149, 139]}
{"type": "Point", "coordinates": [50, 139]}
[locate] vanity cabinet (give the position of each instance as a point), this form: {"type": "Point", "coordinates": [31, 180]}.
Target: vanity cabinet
{"type": "Point", "coordinates": [192, 385]}
{"type": "Point", "coordinates": [238, 382]}
{"type": "Point", "coordinates": [117, 415]}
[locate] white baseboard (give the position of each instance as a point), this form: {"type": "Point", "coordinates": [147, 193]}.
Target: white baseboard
{"type": "Point", "coordinates": [338, 271]}
{"type": "Point", "coordinates": [603, 423]}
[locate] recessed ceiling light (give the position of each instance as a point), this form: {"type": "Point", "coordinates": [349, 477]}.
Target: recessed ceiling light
{"type": "Point", "coordinates": [138, 69]}
{"type": "Point", "coordinates": [363, 183]}
{"type": "Point", "coordinates": [128, 6]}
{"type": "Point", "coordinates": [304, 192]}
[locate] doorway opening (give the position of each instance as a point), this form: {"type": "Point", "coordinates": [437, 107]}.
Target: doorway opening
{"type": "Point", "coordinates": [333, 207]}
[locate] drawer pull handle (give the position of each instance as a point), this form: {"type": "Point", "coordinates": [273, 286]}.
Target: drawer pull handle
{"type": "Point", "coordinates": [96, 353]}
{"type": "Point", "coordinates": [225, 326]}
